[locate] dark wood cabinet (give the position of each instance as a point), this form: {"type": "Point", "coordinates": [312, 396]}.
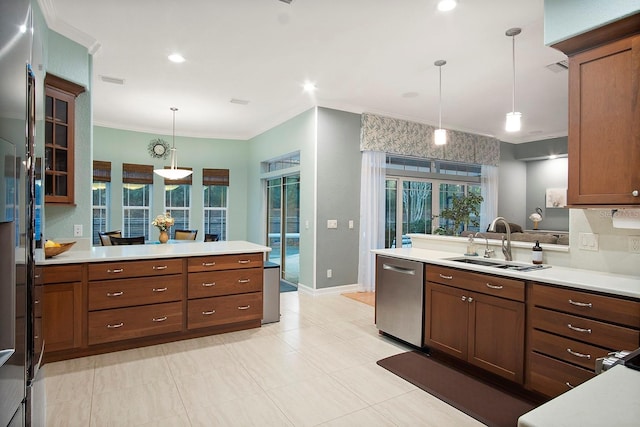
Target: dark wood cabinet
{"type": "Point", "coordinates": [481, 328]}
{"type": "Point", "coordinates": [604, 115]}
{"type": "Point", "coordinates": [62, 307]}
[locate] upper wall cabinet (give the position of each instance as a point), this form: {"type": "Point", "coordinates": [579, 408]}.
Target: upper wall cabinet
{"type": "Point", "coordinates": [604, 115]}
{"type": "Point", "coordinates": [60, 96]}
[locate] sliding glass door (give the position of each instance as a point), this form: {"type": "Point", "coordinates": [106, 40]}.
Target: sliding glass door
{"type": "Point", "coordinates": [414, 197]}
{"type": "Point", "coordinates": [283, 225]}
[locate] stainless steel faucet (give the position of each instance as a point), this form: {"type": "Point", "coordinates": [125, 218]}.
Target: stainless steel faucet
{"type": "Point", "coordinates": [506, 250]}
{"type": "Point", "coordinates": [488, 253]}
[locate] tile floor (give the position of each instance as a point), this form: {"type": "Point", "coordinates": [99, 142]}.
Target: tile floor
{"type": "Point", "coordinates": [316, 367]}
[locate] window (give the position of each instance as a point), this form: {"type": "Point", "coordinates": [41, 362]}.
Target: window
{"type": "Point", "coordinates": [417, 190]}
{"type": "Point", "coordinates": [100, 198]}
{"type": "Point", "coordinates": [215, 183]}
{"type": "Point", "coordinates": [287, 161]}
{"type": "Point", "coordinates": [137, 183]}
{"type": "Point", "coordinates": [59, 132]}
{"type": "Point", "coordinates": [177, 201]}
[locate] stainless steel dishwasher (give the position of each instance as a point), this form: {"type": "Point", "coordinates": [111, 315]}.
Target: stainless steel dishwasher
{"type": "Point", "coordinates": [400, 298]}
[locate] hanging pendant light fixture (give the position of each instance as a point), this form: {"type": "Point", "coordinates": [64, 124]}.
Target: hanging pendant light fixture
{"type": "Point", "coordinates": [513, 118]}
{"type": "Point", "coordinates": [173, 172]}
{"type": "Point", "coordinates": [440, 135]}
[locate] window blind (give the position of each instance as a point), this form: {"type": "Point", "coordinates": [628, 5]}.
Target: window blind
{"type": "Point", "coordinates": [101, 171]}
{"type": "Point", "coordinates": [137, 174]}
{"type": "Point", "coordinates": [215, 177]}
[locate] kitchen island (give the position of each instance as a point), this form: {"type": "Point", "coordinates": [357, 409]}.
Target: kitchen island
{"type": "Point", "coordinates": [118, 297]}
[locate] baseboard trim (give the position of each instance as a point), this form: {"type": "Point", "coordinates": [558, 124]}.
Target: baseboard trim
{"type": "Point", "coordinates": [333, 290]}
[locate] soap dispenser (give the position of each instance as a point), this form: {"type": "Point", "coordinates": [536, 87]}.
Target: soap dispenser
{"type": "Point", "coordinates": [471, 247]}
{"type": "Point", "coordinates": [536, 253]}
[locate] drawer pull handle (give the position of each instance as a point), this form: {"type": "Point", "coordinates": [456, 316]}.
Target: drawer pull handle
{"type": "Point", "coordinates": [442, 276]}
{"type": "Point", "coordinates": [569, 385]}
{"type": "Point", "coordinates": [160, 267]}
{"type": "Point", "coordinates": [244, 261]}
{"type": "Point", "coordinates": [37, 301]}
{"type": "Point", "coordinates": [575, 328]}
{"type": "Point", "coordinates": [115, 270]}
{"type": "Point", "coordinates": [208, 285]}
{"type": "Point", "coordinates": [116, 326]}
{"type": "Point", "coordinates": [159, 289]}
{"type": "Point", "coordinates": [208, 313]}
{"type": "Point", "coordinates": [208, 264]}
{"type": "Point", "coordinates": [160, 319]}
{"type": "Point", "coordinates": [575, 353]}
{"type": "Point", "coordinates": [244, 280]}
{"type": "Point", "coordinates": [244, 307]}
{"type": "Point", "coordinates": [580, 304]}
{"type": "Point", "coordinates": [490, 286]}
{"type": "Point", "coordinates": [115, 294]}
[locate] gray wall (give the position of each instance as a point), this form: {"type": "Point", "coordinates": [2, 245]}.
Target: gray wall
{"type": "Point", "coordinates": [512, 182]}
{"type": "Point", "coordinates": [339, 192]}
{"type": "Point", "coordinates": [543, 174]}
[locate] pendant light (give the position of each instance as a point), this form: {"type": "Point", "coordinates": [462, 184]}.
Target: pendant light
{"type": "Point", "coordinates": [513, 118]}
{"type": "Point", "coordinates": [440, 135]}
{"type": "Point", "coordinates": [173, 172]}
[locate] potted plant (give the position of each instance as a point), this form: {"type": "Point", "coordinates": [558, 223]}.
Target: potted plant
{"type": "Point", "coordinates": [461, 209]}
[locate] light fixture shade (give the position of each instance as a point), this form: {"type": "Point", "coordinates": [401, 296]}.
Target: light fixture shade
{"type": "Point", "coordinates": [440, 137]}
{"type": "Point", "coordinates": [173, 172]}
{"type": "Point", "coordinates": [513, 121]}
{"type": "Point", "coordinates": [447, 5]}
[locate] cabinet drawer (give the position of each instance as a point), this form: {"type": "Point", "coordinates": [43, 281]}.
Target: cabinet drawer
{"type": "Point", "coordinates": [134, 322]}
{"type": "Point", "coordinates": [216, 283]}
{"type": "Point", "coordinates": [127, 269]}
{"type": "Point", "coordinates": [129, 292]}
{"type": "Point", "coordinates": [224, 310]}
{"type": "Point", "coordinates": [566, 349]}
{"type": "Point", "coordinates": [62, 273]}
{"type": "Point", "coordinates": [592, 331]}
{"type": "Point", "coordinates": [553, 377]}
{"type": "Point", "coordinates": [477, 282]}
{"type": "Point", "coordinates": [609, 309]}
{"type": "Point", "coordinates": [225, 262]}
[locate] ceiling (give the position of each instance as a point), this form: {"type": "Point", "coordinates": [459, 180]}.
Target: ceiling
{"type": "Point", "coordinates": [372, 56]}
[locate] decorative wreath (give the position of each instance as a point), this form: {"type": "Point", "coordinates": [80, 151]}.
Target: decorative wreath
{"type": "Point", "coordinates": [158, 148]}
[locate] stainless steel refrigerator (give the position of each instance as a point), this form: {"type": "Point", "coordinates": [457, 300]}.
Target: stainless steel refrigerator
{"type": "Point", "coordinates": [19, 360]}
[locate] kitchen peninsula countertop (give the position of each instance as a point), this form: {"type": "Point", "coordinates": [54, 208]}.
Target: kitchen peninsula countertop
{"type": "Point", "coordinates": [151, 251]}
{"type": "Point", "coordinates": [609, 283]}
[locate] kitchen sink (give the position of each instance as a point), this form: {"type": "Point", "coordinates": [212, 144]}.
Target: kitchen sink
{"type": "Point", "coordinates": [500, 264]}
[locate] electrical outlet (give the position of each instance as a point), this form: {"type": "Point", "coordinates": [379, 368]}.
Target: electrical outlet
{"type": "Point", "coordinates": [329, 274]}
{"type": "Point", "coordinates": [351, 224]}
{"type": "Point", "coordinates": [634, 244]}
{"type": "Point", "coordinates": [77, 230]}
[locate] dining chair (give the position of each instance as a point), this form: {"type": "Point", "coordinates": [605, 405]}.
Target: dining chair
{"type": "Point", "coordinates": [185, 234]}
{"type": "Point", "coordinates": [118, 241]}
{"type": "Point", "coordinates": [211, 237]}
{"type": "Point", "coordinates": [105, 236]}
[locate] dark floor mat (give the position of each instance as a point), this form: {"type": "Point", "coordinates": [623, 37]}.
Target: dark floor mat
{"type": "Point", "coordinates": [478, 399]}
{"type": "Point", "coordinates": [287, 287]}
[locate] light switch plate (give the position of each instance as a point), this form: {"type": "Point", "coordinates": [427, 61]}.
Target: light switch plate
{"type": "Point", "coordinates": [332, 223]}
{"type": "Point", "coordinates": [77, 230]}
{"type": "Point", "coordinates": [634, 244]}
{"type": "Point", "coordinates": [588, 241]}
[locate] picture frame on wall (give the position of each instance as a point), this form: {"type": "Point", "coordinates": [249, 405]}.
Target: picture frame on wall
{"type": "Point", "coordinates": [556, 198]}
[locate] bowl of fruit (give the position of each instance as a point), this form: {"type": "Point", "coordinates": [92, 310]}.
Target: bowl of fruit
{"type": "Point", "coordinates": [52, 248]}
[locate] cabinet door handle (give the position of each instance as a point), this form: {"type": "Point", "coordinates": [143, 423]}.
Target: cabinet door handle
{"type": "Point", "coordinates": [568, 384]}
{"type": "Point", "coordinates": [463, 298]}
{"type": "Point", "coordinates": [575, 328]}
{"type": "Point", "coordinates": [244, 280]}
{"type": "Point", "coordinates": [582, 355]}
{"type": "Point", "coordinates": [208, 264]}
{"type": "Point", "coordinates": [159, 289]}
{"type": "Point", "coordinates": [160, 267]}
{"type": "Point", "coordinates": [442, 276]}
{"type": "Point", "coordinates": [244, 261]}
{"type": "Point", "coordinates": [116, 326]}
{"type": "Point", "coordinates": [244, 307]}
{"type": "Point", "coordinates": [208, 313]}
{"type": "Point", "coordinates": [580, 304]}
{"type": "Point", "coordinates": [489, 285]}
{"type": "Point", "coordinates": [208, 285]}
{"type": "Point", "coordinates": [115, 270]}
{"type": "Point", "coordinates": [115, 294]}
{"type": "Point", "coordinates": [159, 319]}
{"type": "Point", "coordinates": [635, 193]}
{"type": "Point", "coordinates": [470, 300]}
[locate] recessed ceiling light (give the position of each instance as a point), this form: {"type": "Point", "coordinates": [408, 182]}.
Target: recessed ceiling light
{"type": "Point", "coordinates": [23, 28]}
{"type": "Point", "coordinates": [447, 5]}
{"type": "Point", "coordinates": [176, 57]}
{"type": "Point", "coordinates": [309, 87]}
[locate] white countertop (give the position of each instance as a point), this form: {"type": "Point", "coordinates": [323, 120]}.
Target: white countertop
{"type": "Point", "coordinates": [609, 399]}
{"type": "Point", "coordinates": [151, 251]}
{"type": "Point", "coordinates": [616, 284]}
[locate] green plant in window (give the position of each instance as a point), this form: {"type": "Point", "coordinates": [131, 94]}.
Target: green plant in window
{"type": "Point", "coordinates": [463, 210]}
